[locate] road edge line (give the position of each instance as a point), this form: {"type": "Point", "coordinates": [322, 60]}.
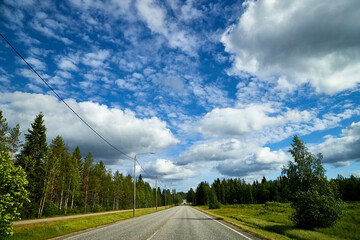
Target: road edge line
{"type": "Point", "coordinates": [241, 234]}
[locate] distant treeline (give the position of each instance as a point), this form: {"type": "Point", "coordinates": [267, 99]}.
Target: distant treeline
{"type": "Point", "coordinates": [62, 182]}
{"type": "Point", "coordinates": [237, 191]}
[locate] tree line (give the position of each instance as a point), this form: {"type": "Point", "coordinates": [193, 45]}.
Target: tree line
{"type": "Point", "coordinates": [237, 191]}
{"type": "Point", "coordinates": [316, 200]}
{"type": "Point", "coordinates": [60, 181]}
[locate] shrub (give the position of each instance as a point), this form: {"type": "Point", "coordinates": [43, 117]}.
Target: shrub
{"type": "Point", "coordinates": [317, 207]}
{"type": "Point", "coordinates": [12, 193]}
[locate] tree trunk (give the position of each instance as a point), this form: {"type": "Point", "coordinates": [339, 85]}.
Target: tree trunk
{"type": "Point", "coordinates": [62, 193]}
{"type": "Point", "coordinates": [67, 196]}
{"type": "Point", "coordinates": [86, 189]}
{"type": "Point", "coordinates": [72, 198]}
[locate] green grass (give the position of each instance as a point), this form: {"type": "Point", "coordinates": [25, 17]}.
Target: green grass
{"type": "Point", "coordinates": [53, 229]}
{"type": "Point", "coordinates": [272, 221]}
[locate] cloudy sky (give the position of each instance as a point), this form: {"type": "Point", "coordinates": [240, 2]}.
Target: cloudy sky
{"type": "Point", "coordinates": [215, 88]}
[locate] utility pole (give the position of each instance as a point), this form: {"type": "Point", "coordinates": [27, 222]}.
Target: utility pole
{"type": "Point", "coordinates": [135, 179]}
{"type": "Point", "coordinates": [156, 192]}
{"type": "Point", "coordinates": [134, 186]}
{"type": "Point", "coordinates": [165, 196]}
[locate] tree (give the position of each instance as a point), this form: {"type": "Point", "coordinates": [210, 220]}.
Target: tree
{"type": "Point", "coordinates": [202, 193]}
{"type": "Point", "coordinates": [88, 165]}
{"type": "Point", "coordinates": [4, 130]}
{"type": "Point", "coordinates": [190, 196]}
{"type": "Point", "coordinates": [12, 193]}
{"type": "Point", "coordinates": [315, 200]}
{"type": "Point", "coordinates": [213, 202]}
{"type": "Point", "coordinates": [31, 159]}
{"type": "Point", "coordinates": [13, 140]}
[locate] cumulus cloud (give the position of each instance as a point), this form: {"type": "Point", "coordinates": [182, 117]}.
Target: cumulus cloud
{"type": "Point", "coordinates": [254, 117]}
{"type": "Point", "coordinates": [167, 170]}
{"type": "Point", "coordinates": [295, 42]}
{"type": "Point", "coordinates": [339, 151]}
{"type": "Point", "coordinates": [217, 151]}
{"type": "Point", "coordinates": [122, 128]}
{"type": "Point", "coordinates": [258, 163]}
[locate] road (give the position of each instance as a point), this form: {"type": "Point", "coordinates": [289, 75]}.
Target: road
{"type": "Point", "coordinates": [182, 222]}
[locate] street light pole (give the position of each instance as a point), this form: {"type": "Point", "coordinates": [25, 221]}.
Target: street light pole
{"type": "Point", "coordinates": [156, 192]}
{"type": "Point", "coordinates": [135, 179]}
{"type": "Point", "coordinates": [134, 186]}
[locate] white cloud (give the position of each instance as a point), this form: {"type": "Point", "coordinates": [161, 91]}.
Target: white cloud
{"type": "Point", "coordinates": [259, 163]}
{"type": "Point", "coordinates": [254, 117]}
{"type": "Point", "coordinates": [217, 151]}
{"type": "Point", "coordinates": [155, 17]}
{"type": "Point", "coordinates": [167, 170]}
{"type": "Point", "coordinates": [209, 95]}
{"type": "Point", "coordinates": [121, 128]}
{"type": "Point", "coordinates": [339, 151]}
{"type": "Point", "coordinates": [128, 85]}
{"type": "Point", "coordinates": [36, 63]}
{"type": "Point", "coordinates": [96, 59]}
{"type": "Point", "coordinates": [298, 41]}
{"type": "Point", "coordinates": [236, 158]}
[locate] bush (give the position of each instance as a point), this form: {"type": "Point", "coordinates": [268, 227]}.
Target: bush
{"type": "Point", "coordinates": [12, 193]}
{"type": "Point", "coordinates": [51, 209]}
{"type": "Point", "coordinates": [317, 207]}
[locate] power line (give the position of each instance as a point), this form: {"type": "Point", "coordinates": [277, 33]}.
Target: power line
{"type": "Point", "coordinates": [58, 96]}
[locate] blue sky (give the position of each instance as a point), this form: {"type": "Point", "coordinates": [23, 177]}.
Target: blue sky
{"type": "Point", "coordinates": [215, 88]}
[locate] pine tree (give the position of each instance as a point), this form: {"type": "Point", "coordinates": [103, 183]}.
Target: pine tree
{"type": "Point", "coordinates": [88, 165]}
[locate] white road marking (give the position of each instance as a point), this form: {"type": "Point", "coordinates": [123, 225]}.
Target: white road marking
{"type": "Point", "coordinates": [152, 235]}
{"type": "Point", "coordinates": [227, 226]}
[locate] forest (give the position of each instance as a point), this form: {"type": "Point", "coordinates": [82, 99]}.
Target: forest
{"type": "Point", "coordinates": [237, 191]}
{"type": "Point", "coordinates": [60, 181]}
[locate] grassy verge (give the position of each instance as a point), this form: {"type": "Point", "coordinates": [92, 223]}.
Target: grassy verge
{"type": "Point", "coordinates": [272, 221]}
{"type": "Point", "coordinates": [53, 229]}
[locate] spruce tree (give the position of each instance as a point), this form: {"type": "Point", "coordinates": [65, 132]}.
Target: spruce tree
{"type": "Point", "coordinates": [31, 159]}
{"type": "Point", "coordinates": [4, 130]}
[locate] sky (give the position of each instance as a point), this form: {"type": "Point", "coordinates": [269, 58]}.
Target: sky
{"type": "Point", "coordinates": [217, 89]}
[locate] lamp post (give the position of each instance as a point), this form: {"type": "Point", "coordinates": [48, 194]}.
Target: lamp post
{"type": "Point", "coordinates": [135, 178]}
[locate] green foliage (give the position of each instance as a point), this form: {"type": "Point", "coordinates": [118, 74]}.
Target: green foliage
{"type": "Point", "coordinates": [202, 194]}
{"type": "Point", "coordinates": [316, 207]}
{"type": "Point", "coordinates": [12, 193]}
{"type": "Point", "coordinates": [32, 159]}
{"type": "Point", "coordinates": [191, 196]}
{"type": "Point", "coordinates": [4, 129]}
{"type": "Point", "coordinates": [213, 202]}
{"type": "Point", "coordinates": [315, 200]}
{"type": "Point", "coordinates": [272, 221]}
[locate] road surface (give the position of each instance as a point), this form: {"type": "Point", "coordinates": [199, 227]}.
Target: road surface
{"type": "Point", "coordinates": [182, 222]}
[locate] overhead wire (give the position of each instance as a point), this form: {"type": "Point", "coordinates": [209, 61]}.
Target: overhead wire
{"type": "Point", "coordinates": [59, 97]}
{"type": "Point", "coordinates": [72, 110]}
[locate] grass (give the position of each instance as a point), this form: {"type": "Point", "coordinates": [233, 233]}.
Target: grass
{"type": "Point", "coordinates": [272, 221]}
{"type": "Point", "coordinates": [53, 229]}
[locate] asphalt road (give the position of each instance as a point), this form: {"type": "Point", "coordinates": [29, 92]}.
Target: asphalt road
{"type": "Point", "coordinates": [182, 222]}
